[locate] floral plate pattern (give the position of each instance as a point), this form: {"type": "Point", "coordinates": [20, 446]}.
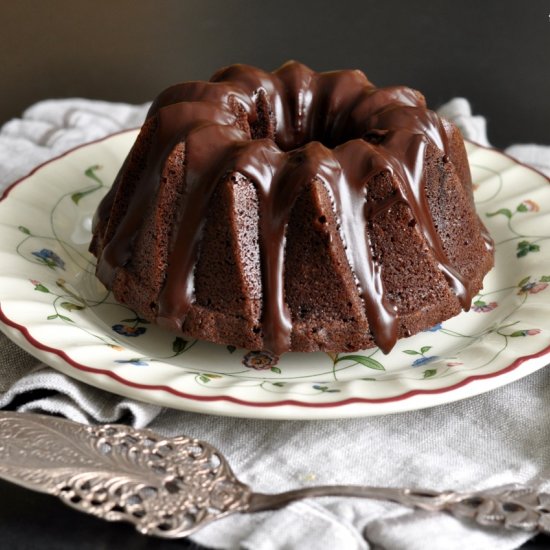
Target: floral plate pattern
{"type": "Point", "coordinates": [52, 305]}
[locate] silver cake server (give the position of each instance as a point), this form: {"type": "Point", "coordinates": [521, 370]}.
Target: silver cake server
{"type": "Point", "coordinates": [171, 487]}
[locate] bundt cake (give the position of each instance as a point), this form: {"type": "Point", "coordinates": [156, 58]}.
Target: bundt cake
{"type": "Point", "coordinates": [293, 211]}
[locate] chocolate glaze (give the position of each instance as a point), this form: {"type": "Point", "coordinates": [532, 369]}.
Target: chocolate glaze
{"type": "Point", "coordinates": [335, 128]}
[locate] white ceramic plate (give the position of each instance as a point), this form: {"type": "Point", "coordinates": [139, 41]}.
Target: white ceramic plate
{"type": "Point", "coordinates": [52, 305]}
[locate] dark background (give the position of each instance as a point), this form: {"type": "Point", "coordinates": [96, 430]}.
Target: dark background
{"type": "Point", "coordinates": [496, 53]}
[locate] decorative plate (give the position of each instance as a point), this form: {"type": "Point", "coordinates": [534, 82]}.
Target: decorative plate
{"type": "Point", "coordinates": [52, 305]}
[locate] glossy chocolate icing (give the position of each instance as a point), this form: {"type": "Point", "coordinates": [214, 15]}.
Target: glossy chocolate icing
{"type": "Point", "coordinates": [283, 130]}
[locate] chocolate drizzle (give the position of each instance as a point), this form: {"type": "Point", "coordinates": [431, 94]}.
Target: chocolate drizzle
{"type": "Point", "coordinates": [283, 131]}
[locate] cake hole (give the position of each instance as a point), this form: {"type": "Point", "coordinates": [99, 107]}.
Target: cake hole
{"type": "Point", "coordinates": [375, 137]}
{"type": "Point", "coordinates": [322, 219]}
{"type": "Point", "coordinates": [412, 223]}
{"type": "Point", "coordinates": [256, 330]}
{"type": "Point", "coordinates": [330, 137]}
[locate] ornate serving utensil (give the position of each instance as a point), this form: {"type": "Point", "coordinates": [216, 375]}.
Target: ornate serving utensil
{"type": "Point", "coordinates": [171, 487]}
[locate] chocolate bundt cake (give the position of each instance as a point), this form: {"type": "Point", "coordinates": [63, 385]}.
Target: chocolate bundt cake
{"type": "Point", "coordinates": [293, 211]}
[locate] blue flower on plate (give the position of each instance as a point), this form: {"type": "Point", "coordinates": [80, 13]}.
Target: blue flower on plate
{"type": "Point", "coordinates": [435, 328]}
{"type": "Point", "coordinates": [135, 361]}
{"type": "Point", "coordinates": [424, 360]}
{"type": "Point", "coordinates": [127, 330]}
{"type": "Point", "coordinates": [50, 258]}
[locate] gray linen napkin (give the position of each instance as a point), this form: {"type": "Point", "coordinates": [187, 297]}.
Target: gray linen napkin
{"type": "Point", "coordinates": [493, 439]}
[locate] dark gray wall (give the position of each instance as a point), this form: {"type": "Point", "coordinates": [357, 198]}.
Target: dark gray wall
{"type": "Point", "coordinates": [497, 53]}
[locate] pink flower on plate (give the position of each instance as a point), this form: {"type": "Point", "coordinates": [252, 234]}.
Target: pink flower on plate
{"type": "Point", "coordinates": [454, 363]}
{"type": "Point", "coordinates": [525, 332]}
{"type": "Point", "coordinates": [34, 282]}
{"type": "Point", "coordinates": [530, 206]}
{"type": "Point", "coordinates": [532, 288]}
{"type": "Point", "coordinates": [260, 360]}
{"type": "Point", "coordinates": [479, 306]}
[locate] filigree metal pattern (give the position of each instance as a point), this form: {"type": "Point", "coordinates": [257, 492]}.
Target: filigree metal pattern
{"type": "Point", "coordinates": [165, 487]}
{"type": "Point", "coordinates": [170, 487]}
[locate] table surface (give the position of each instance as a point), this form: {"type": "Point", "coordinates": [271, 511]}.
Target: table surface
{"type": "Point", "coordinates": [494, 53]}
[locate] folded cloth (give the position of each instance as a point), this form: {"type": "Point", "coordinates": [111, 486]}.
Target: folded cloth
{"type": "Point", "coordinates": [485, 441]}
